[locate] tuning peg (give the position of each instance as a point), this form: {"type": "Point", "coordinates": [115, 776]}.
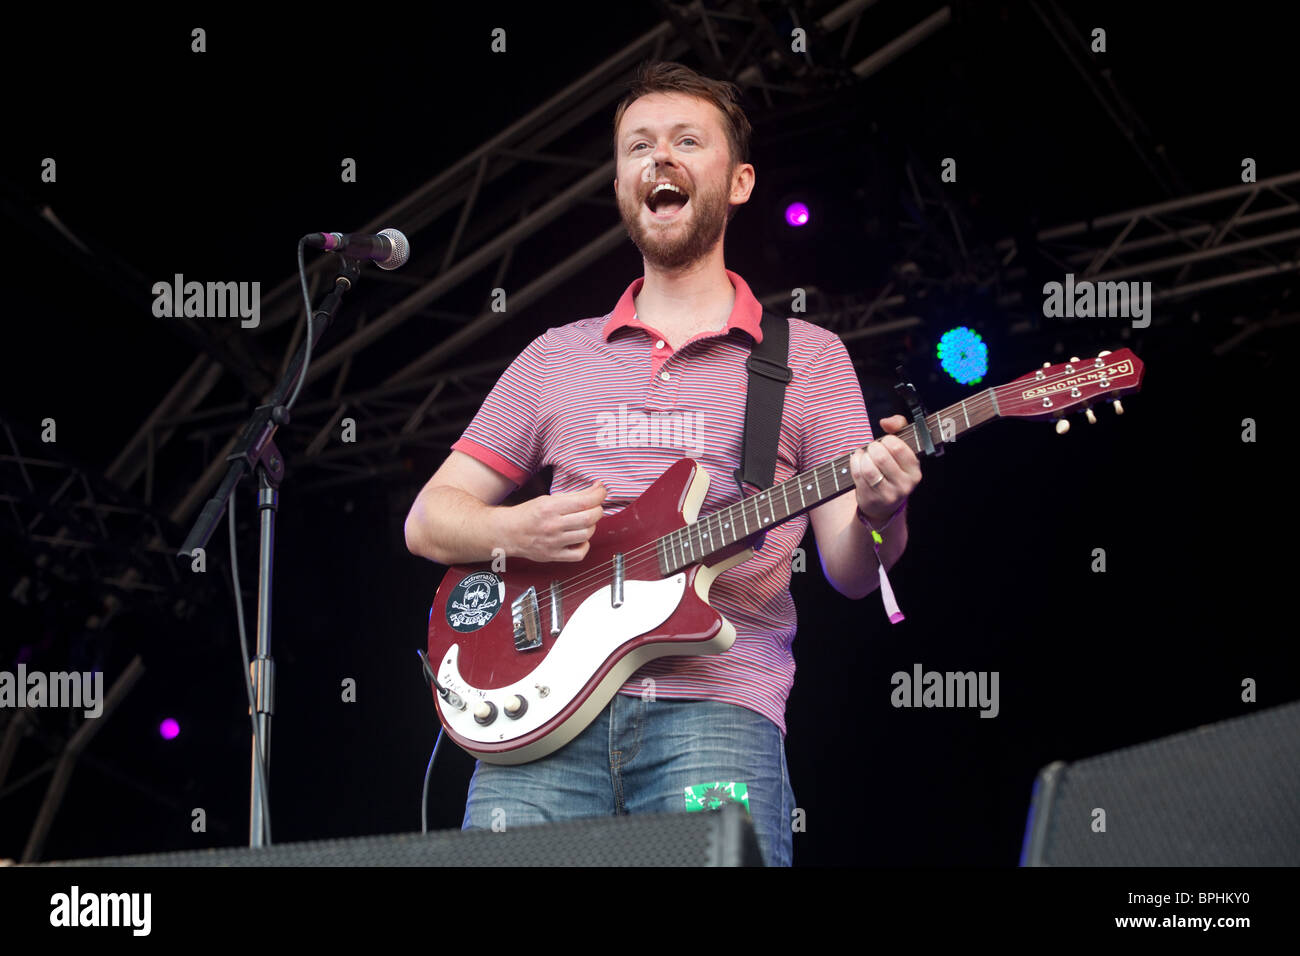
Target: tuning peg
{"type": "Point", "coordinates": [1119, 409]}
{"type": "Point", "coordinates": [1074, 358]}
{"type": "Point", "coordinates": [1062, 426]}
{"type": "Point", "coordinates": [1047, 365]}
{"type": "Point", "coordinates": [1092, 419]}
{"type": "Point", "coordinates": [1103, 354]}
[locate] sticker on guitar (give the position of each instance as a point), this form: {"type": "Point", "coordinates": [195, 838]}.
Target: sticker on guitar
{"type": "Point", "coordinates": [475, 601]}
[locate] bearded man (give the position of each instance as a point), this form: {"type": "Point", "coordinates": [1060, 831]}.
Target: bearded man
{"type": "Point", "coordinates": [675, 343]}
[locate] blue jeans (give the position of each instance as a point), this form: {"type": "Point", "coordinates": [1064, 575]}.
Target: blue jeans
{"type": "Point", "coordinates": [641, 756]}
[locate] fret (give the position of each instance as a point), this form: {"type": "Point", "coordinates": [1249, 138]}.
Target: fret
{"type": "Point", "coordinates": [715, 532]}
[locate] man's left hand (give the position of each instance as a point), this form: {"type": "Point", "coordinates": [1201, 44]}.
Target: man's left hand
{"type": "Point", "coordinates": [885, 473]}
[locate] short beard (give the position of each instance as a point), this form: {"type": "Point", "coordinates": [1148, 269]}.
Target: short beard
{"type": "Point", "coordinates": [672, 255]}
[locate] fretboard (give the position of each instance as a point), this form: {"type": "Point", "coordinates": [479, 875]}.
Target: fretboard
{"type": "Point", "coordinates": [751, 516]}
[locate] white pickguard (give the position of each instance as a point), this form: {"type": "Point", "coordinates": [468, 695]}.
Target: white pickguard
{"type": "Point", "coordinates": [593, 632]}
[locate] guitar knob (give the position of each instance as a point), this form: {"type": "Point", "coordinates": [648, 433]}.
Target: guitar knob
{"type": "Point", "coordinates": [485, 712]}
{"type": "Point", "coordinates": [1062, 426]}
{"type": "Point", "coordinates": [515, 706]}
{"type": "Point", "coordinates": [1119, 409]}
{"type": "Point", "coordinates": [1092, 419]}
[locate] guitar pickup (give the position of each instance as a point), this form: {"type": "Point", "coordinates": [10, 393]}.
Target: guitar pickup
{"type": "Point", "coordinates": [527, 621]}
{"type": "Point", "coordinates": [616, 587]}
{"type": "Point", "coordinates": [557, 610]}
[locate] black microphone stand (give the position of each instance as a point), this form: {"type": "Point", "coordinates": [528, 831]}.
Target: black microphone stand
{"type": "Point", "coordinates": [255, 451]}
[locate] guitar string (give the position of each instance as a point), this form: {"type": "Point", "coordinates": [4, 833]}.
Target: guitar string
{"type": "Point", "coordinates": [638, 558]}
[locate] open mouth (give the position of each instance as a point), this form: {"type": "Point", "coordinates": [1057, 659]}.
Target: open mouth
{"type": "Point", "coordinates": [666, 200]}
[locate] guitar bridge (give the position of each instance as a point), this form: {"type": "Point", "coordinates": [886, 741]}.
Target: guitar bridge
{"type": "Point", "coordinates": [527, 621]}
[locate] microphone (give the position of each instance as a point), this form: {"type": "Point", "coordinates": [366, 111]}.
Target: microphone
{"type": "Point", "coordinates": [388, 250]}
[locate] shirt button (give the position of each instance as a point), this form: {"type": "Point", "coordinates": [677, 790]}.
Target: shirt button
{"type": "Point", "coordinates": [659, 344]}
{"type": "Point", "coordinates": [665, 376]}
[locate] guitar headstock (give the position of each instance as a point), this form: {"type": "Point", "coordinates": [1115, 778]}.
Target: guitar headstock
{"type": "Point", "coordinates": [1056, 390]}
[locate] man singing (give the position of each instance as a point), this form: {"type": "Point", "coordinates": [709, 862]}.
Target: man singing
{"type": "Point", "coordinates": [675, 343]}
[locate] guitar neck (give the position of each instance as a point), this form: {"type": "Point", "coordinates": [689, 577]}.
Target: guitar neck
{"type": "Point", "coordinates": [700, 540]}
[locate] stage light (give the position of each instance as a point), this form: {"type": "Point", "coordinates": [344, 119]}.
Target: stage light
{"type": "Point", "coordinates": [796, 214]}
{"type": "Point", "coordinates": [963, 355]}
{"type": "Point", "coordinates": [169, 729]}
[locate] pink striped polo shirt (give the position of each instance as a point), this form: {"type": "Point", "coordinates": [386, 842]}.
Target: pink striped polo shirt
{"type": "Point", "coordinates": [608, 399]}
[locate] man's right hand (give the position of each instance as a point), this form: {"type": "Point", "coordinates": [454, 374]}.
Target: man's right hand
{"type": "Point", "coordinates": [557, 527]}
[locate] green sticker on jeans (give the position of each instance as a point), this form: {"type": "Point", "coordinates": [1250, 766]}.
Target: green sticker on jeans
{"type": "Point", "coordinates": [711, 796]}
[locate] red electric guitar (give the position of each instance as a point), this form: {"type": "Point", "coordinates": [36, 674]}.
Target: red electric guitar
{"type": "Point", "coordinates": [526, 659]}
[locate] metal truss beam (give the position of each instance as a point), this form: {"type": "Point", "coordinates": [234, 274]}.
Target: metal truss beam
{"type": "Point", "coordinates": [463, 224]}
{"type": "Point", "coordinates": [81, 527]}
{"type": "Point", "coordinates": [1185, 246]}
{"type": "Point", "coordinates": [1101, 82]}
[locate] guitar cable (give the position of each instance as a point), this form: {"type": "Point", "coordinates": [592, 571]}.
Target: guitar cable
{"type": "Point", "coordinates": [428, 771]}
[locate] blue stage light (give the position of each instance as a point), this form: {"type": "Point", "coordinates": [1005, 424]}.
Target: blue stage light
{"type": "Point", "coordinates": [963, 355]}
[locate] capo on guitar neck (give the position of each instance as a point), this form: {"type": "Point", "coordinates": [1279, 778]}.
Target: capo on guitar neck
{"type": "Point", "coordinates": [916, 411]}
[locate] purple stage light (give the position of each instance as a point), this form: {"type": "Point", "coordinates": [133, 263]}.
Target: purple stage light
{"type": "Point", "coordinates": [169, 729]}
{"type": "Point", "coordinates": [796, 214]}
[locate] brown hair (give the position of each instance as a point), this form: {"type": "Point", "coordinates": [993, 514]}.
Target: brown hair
{"type": "Point", "coordinates": [663, 77]}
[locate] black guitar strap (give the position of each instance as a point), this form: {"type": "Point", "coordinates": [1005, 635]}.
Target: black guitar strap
{"type": "Point", "coordinates": [768, 376]}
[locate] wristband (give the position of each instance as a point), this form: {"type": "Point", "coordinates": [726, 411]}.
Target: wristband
{"type": "Point", "coordinates": [886, 592]}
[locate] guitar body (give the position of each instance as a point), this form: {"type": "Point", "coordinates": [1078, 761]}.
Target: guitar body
{"type": "Point", "coordinates": [567, 679]}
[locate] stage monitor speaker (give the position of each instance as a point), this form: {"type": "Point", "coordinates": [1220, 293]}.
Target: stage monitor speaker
{"type": "Point", "coordinates": [723, 837]}
{"type": "Point", "coordinates": [1226, 794]}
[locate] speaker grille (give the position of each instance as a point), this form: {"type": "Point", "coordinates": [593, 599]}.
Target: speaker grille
{"type": "Point", "coordinates": [723, 837]}
{"type": "Point", "coordinates": [1226, 794]}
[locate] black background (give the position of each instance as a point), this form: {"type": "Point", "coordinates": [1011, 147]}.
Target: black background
{"type": "Point", "coordinates": [212, 165]}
